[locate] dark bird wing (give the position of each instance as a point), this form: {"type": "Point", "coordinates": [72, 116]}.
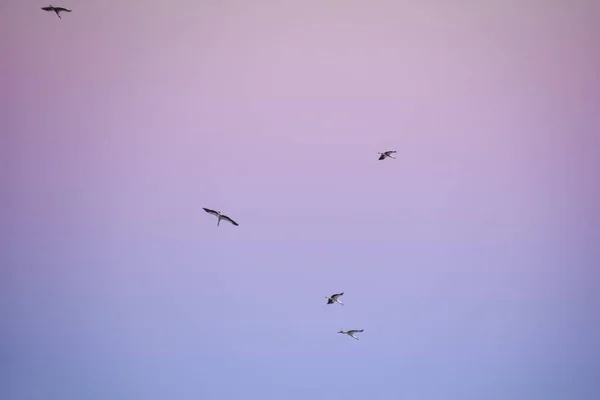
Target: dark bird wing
{"type": "Point", "coordinates": [226, 218]}
{"type": "Point", "coordinates": [356, 331]}
{"type": "Point", "coordinates": [335, 296]}
{"type": "Point", "coordinates": [329, 301]}
{"type": "Point", "coordinates": [208, 210]}
{"type": "Point", "coordinates": [62, 9]}
{"type": "Point", "coordinates": [381, 157]}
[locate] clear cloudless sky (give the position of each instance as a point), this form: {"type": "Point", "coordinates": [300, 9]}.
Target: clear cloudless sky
{"type": "Point", "coordinates": [471, 261]}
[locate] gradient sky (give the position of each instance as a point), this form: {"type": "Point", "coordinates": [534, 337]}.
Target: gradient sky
{"type": "Point", "coordinates": [471, 261]}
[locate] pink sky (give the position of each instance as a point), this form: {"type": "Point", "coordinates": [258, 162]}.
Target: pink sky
{"type": "Point", "coordinates": [471, 260]}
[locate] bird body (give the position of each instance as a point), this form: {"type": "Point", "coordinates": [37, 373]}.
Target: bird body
{"type": "Point", "coordinates": [386, 154]}
{"type": "Point", "coordinates": [352, 332]}
{"type": "Point", "coordinates": [220, 216]}
{"type": "Point", "coordinates": [57, 10]}
{"type": "Point", "coordinates": [334, 298]}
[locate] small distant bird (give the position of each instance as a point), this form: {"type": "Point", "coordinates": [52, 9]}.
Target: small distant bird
{"type": "Point", "coordinates": [57, 10]}
{"type": "Point", "coordinates": [334, 298]}
{"type": "Point", "coordinates": [387, 154]}
{"type": "Point", "coordinates": [220, 216]}
{"type": "Point", "coordinates": [352, 332]}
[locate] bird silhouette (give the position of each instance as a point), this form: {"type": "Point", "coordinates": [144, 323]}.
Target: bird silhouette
{"type": "Point", "coordinates": [57, 10]}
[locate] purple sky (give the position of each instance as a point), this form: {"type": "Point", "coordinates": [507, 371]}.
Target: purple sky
{"type": "Point", "coordinates": [472, 262]}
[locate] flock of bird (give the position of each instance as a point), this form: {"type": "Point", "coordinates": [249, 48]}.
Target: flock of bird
{"type": "Point", "coordinates": [334, 298]}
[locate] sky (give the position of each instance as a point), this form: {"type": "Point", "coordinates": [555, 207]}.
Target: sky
{"type": "Point", "coordinates": [472, 261]}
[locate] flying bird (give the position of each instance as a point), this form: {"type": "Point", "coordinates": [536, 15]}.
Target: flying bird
{"type": "Point", "coordinates": [57, 10]}
{"type": "Point", "coordinates": [220, 216]}
{"type": "Point", "coordinates": [334, 298]}
{"type": "Point", "coordinates": [387, 154]}
{"type": "Point", "coordinates": [351, 332]}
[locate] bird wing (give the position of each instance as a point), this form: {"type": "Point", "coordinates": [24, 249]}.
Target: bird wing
{"type": "Point", "coordinates": [226, 218]}
{"type": "Point", "coordinates": [208, 210]}
{"type": "Point", "coordinates": [381, 157]}
{"type": "Point", "coordinates": [62, 9]}
{"type": "Point", "coordinates": [330, 301]}
{"type": "Point", "coordinates": [392, 151]}
{"type": "Point", "coordinates": [356, 331]}
{"type": "Point", "coordinates": [335, 296]}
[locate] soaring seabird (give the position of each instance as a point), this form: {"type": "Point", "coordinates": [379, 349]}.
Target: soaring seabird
{"type": "Point", "coordinates": [57, 10]}
{"type": "Point", "coordinates": [387, 154]}
{"type": "Point", "coordinates": [220, 216]}
{"type": "Point", "coordinates": [334, 298]}
{"type": "Point", "coordinates": [352, 332]}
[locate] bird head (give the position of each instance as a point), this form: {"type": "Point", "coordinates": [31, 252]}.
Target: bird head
{"type": "Point", "coordinates": [341, 332]}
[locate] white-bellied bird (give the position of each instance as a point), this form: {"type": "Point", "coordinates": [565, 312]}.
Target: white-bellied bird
{"type": "Point", "coordinates": [220, 216]}
{"type": "Point", "coordinates": [386, 154]}
{"type": "Point", "coordinates": [351, 332]}
{"type": "Point", "coordinates": [57, 10]}
{"type": "Point", "coordinates": [334, 298]}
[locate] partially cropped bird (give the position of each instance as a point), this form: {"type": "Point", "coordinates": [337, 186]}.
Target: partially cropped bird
{"type": "Point", "coordinates": [57, 10]}
{"type": "Point", "coordinates": [387, 154]}
{"type": "Point", "coordinates": [334, 298]}
{"type": "Point", "coordinates": [220, 216]}
{"type": "Point", "coordinates": [352, 332]}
